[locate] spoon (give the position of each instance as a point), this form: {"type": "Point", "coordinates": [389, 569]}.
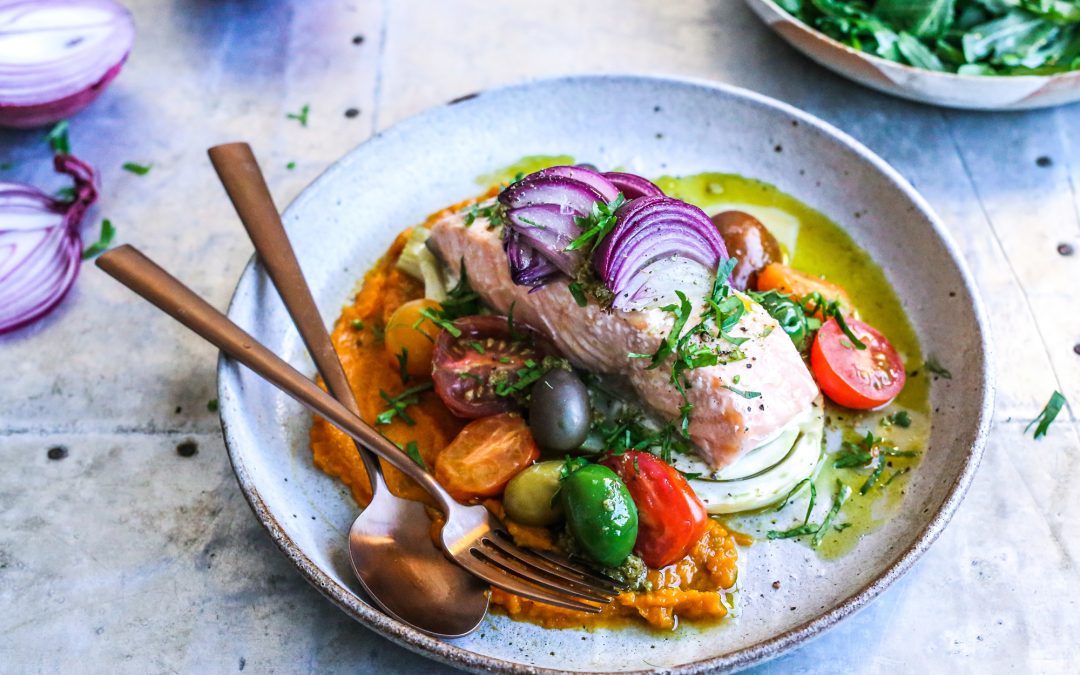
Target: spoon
{"type": "Point", "coordinates": [390, 545]}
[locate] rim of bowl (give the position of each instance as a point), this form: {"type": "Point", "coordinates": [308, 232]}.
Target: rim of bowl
{"type": "Point", "coordinates": [448, 652]}
{"type": "Point", "coordinates": [903, 67]}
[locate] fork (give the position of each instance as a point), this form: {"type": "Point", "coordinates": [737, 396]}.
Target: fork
{"type": "Point", "coordinates": [472, 536]}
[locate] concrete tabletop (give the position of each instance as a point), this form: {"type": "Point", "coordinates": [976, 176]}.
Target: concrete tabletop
{"type": "Point", "coordinates": [125, 544]}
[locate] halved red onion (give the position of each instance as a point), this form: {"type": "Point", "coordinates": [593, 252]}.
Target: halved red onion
{"type": "Point", "coordinates": [40, 245]}
{"type": "Point", "coordinates": [594, 179]}
{"type": "Point", "coordinates": [57, 56]}
{"type": "Point", "coordinates": [567, 193]}
{"type": "Point", "coordinates": [633, 186]}
{"type": "Point", "coordinates": [527, 266]}
{"type": "Point", "coordinates": [658, 245]}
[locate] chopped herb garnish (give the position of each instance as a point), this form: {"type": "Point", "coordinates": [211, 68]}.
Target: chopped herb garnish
{"type": "Point", "coordinates": [477, 347]}
{"type": "Point", "coordinates": [579, 294]}
{"type": "Point", "coordinates": [439, 321]}
{"type": "Point", "coordinates": [357, 324]}
{"type": "Point", "coordinates": [66, 193]}
{"type": "Point", "coordinates": [571, 465]}
{"type": "Point", "coordinates": [461, 300]}
{"type": "Point", "coordinates": [841, 527]}
{"type": "Point", "coordinates": [138, 169]}
{"type": "Point", "coordinates": [302, 116]}
{"type": "Point", "coordinates": [814, 303]}
{"type": "Point", "coordinates": [495, 214]}
{"type": "Point", "coordinates": [398, 404]}
{"type": "Point", "coordinates": [58, 138]}
{"type": "Point", "coordinates": [290, 166]}
{"type": "Point", "coordinates": [212, 405]}
{"type": "Point", "coordinates": [413, 452]}
{"type": "Point", "coordinates": [936, 368]}
{"type": "Point", "coordinates": [794, 491]}
{"type": "Point", "coordinates": [596, 225]}
{"type": "Point", "coordinates": [742, 392]}
{"type": "Point", "coordinates": [872, 478]}
{"type": "Point", "coordinates": [900, 419]}
{"type": "Point", "coordinates": [842, 494]}
{"type": "Point", "coordinates": [895, 474]}
{"type": "Point", "coordinates": [1049, 413]}
{"type": "Point", "coordinates": [102, 244]}
{"type": "Point", "coordinates": [403, 364]}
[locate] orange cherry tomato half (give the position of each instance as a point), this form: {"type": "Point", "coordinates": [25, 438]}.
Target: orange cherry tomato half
{"type": "Point", "coordinates": [671, 517]}
{"type": "Point", "coordinates": [485, 455]}
{"type": "Point", "coordinates": [792, 282]}
{"type": "Point", "coordinates": [410, 336]}
{"type": "Point", "coordinates": [856, 378]}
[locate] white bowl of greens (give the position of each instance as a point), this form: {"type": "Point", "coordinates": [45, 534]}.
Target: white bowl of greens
{"type": "Point", "coordinates": [977, 54]}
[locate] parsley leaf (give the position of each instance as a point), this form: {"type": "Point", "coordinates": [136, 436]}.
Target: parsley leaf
{"type": "Point", "coordinates": [579, 294]}
{"type": "Point", "coordinates": [936, 368]}
{"type": "Point", "coordinates": [1046, 417]}
{"type": "Point", "coordinates": [413, 452]}
{"type": "Point", "coordinates": [302, 116]}
{"type": "Point", "coordinates": [137, 169]}
{"type": "Point", "coordinates": [596, 225]}
{"type": "Point", "coordinates": [58, 138]}
{"type": "Point", "coordinates": [102, 244]}
{"type": "Point", "coordinates": [398, 404]}
{"type": "Point", "coordinates": [403, 364]}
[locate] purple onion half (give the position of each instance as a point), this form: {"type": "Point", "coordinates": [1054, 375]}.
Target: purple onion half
{"type": "Point", "coordinates": [527, 266]}
{"type": "Point", "coordinates": [658, 245]}
{"type": "Point", "coordinates": [57, 56]}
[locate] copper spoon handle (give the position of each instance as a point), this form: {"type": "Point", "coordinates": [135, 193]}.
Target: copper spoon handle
{"type": "Point", "coordinates": [239, 172]}
{"type": "Point", "coordinates": [142, 275]}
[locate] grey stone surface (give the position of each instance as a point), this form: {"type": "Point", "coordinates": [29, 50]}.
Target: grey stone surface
{"type": "Point", "coordinates": [127, 557]}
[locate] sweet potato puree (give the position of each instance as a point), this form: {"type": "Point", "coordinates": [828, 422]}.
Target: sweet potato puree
{"type": "Point", "coordinates": [690, 589]}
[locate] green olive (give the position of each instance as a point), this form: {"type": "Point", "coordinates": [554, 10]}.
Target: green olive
{"type": "Point", "coordinates": [559, 414]}
{"type": "Point", "coordinates": [600, 514]}
{"type": "Point", "coordinates": [530, 497]}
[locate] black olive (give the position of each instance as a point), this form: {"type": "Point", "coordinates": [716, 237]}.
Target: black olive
{"type": "Point", "coordinates": [559, 411]}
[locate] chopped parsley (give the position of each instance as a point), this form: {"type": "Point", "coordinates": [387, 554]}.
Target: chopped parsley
{"type": "Point", "coordinates": [813, 303]}
{"type": "Point", "coordinates": [868, 449]}
{"type": "Point", "coordinates": [1046, 417]}
{"type": "Point", "coordinates": [477, 347]}
{"type": "Point", "coordinates": [578, 293]}
{"type": "Point", "coordinates": [461, 300]}
{"type": "Point", "coordinates": [842, 494]}
{"type": "Point", "coordinates": [413, 452]}
{"type": "Point", "coordinates": [137, 169]}
{"type": "Point", "coordinates": [807, 527]}
{"type": "Point", "coordinates": [895, 474]}
{"type": "Point", "coordinates": [302, 116]}
{"type": "Point", "coordinates": [399, 404]}
{"type": "Point", "coordinates": [900, 419]}
{"type": "Point", "coordinates": [936, 368]}
{"type": "Point", "coordinates": [66, 193]}
{"type": "Point", "coordinates": [437, 318]}
{"type": "Point", "coordinates": [102, 244]}
{"type": "Point", "coordinates": [357, 324]}
{"type": "Point", "coordinates": [58, 138]}
{"type": "Point", "coordinates": [794, 491]}
{"type": "Point", "coordinates": [495, 214]}
{"type": "Point", "coordinates": [212, 405]}
{"type": "Point", "coordinates": [742, 392]}
{"type": "Point", "coordinates": [290, 166]}
{"type": "Point", "coordinates": [596, 225]}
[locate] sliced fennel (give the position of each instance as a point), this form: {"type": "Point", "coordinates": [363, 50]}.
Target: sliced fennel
{"type": "Point", "coordinates": [420, 263]}
{"type": "Point", "coordinates": [766, 474]}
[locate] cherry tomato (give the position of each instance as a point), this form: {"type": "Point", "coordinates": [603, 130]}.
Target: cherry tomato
{"type": "Point", "coordinates": [784, 279]}
{"type": "Point", "coordinates": [485, 455]}
{"type": "Point", "coordinates": [856, 378]}
{"type": "Point", "coordinates": [412, 332]}
{"type": "Point", "coordinates": [468, 366]}
{"type": "Point", "coordinates": [671, 517]}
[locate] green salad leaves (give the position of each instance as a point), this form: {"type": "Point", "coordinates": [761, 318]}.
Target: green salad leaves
{"type": "Point", "coordinates": [970, 37]}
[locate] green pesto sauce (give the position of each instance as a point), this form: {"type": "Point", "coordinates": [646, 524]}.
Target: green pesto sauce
{"type": "Point", "coordinates": [815, 244]}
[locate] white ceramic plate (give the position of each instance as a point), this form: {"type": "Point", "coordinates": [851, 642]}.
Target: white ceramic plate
{"type": "Point", "coordinates": [976, 92]}
{"type": "Point", "coordinates": [349, 216]}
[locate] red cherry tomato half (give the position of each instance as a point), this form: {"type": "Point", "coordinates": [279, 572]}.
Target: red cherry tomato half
{"type": "Point", "coordinates": [466, 366]}
{"type": "Point", "coordinates": [856, 378]}
{"type": "Point", "coordinates": [671, 517]}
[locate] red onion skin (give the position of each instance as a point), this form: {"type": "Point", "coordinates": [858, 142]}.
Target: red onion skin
{"type": "Point", "coordinates": [68, 251]}
{"type": "Point", "coordinates": [44, 114]}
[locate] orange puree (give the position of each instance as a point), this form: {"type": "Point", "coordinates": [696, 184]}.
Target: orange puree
{"type": "Point", "coordinates": [692, 588]}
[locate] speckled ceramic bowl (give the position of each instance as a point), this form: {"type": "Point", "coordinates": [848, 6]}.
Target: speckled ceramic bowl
{"type": "Point", "coordinates": [976, 92]}
{"type": "Point", "coordinates": [349, 216]}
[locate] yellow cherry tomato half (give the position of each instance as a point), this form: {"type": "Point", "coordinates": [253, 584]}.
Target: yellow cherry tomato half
{"type": "Point", "coordinates": [410, 337]}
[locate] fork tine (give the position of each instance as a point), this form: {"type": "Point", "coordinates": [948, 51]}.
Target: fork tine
{"type": "Point", "coordinates": [519, 568]}
{"type": "Point", "coordinates": [511, 556]}
{"type": "Point", "coordinates": [585, 582]}
{"type": "Point", "coordinates": [565, 565]}
{"type": "Point", "coordinates": [492, 573]}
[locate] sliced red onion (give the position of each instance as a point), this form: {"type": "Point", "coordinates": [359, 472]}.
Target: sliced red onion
{"type": "Point", "coordinates": [527, 266]}
{"type": "Point", "coordinates": [633, 186]}
{"type": "Point", "coordinates": [591, 177]}
{"type": "Point", "coordinates": [550, 230]}
{"type": "Point", "coordinates": [658, 245]}
{"type": "Point", "coordinates": [57, 56]}
{"type": "Point", "coordinates": [569, 194]}
{"type": "Point", "coordinates": [40, 245]}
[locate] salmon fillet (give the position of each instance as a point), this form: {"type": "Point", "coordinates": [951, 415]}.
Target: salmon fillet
{"type": "Point", "coordinates": [723, 424]}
